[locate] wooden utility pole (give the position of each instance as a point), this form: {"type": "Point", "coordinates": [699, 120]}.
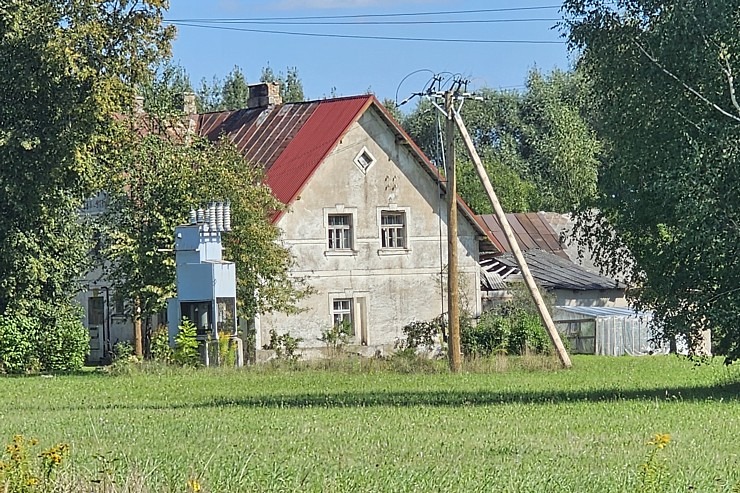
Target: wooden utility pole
{"type": "Point", "coordinates": [138, 332]}
{"type": "Point", "coordinates": [453, 295]}
{"type": "Point", "coordinates": [453, 115]}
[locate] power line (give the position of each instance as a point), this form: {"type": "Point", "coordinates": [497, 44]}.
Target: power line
{"type": "Point", "coordinates": [360, 16]}
{"type": "Point", "coordinates": [358, 36]}
{"type": "Point", "coordinates": [361, 23]}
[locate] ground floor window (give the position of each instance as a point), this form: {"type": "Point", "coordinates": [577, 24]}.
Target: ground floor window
{"type": "Point", "coordinates": [342, 314]}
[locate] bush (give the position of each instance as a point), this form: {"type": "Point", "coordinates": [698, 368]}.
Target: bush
{"type": "Point", "coordinates": [336, 337]}
{"type": "Point", "coordinates": [285, 346]}
{"type": "Point", "coordinates": [17, 344]}
{"type": "Point", "coordinates": [422, 334]}
{"type": "Point", "coordinates": [51, 341]}
{"type": "Point", "coordinates": [508, 328]}
{"type": "Point", "coordinates": [186, 345]}
{"type": "Point", "coordinates": [160, 345]}
{"type": "Point", "coordinates": [63, 341]}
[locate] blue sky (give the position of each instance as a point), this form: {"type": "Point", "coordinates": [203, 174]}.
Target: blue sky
{"type": "Point", "coordinates": [354, 66]}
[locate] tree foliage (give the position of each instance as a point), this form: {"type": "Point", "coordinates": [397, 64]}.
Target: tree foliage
{"type": "Point", "coordinates": [68, 67]}
{"type": "Point", "coordinates": [160, 177]}
{"type": "Point", "coordinates": [291, 87]}
{"type": "Point", "coordinates": [536, 145]}
{"type": "Point", "coordinates": [229, 94]}
{"type": "Point", "coordinates": [664, 73]}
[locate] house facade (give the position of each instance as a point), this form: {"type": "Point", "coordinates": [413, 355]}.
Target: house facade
{"type": "Point", "coordinates": [366, 218]}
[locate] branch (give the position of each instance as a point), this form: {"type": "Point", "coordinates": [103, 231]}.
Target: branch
{"type": "Point", "coordinates": [730, 80]}
{"type": "Point", "coordinates": [686, 86]}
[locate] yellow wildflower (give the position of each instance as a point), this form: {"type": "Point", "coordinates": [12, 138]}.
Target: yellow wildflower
{"type": "Point", "coordinates": [194, 485]}
{"type": "Point", "coordinates": [32, 481]}
{"type": "Point", "coordinates": [660, 440]}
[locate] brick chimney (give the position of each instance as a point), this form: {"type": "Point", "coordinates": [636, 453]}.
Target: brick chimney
{"type": "Point", "coordinates": [188, 103]}
{"type": "Point", "coordinates": [138, 105]}
{"type": "Point", "coordinates": [264, 94]}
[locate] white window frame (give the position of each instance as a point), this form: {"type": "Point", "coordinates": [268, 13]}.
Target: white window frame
{"type": "Point", "coordinates": [364, 160]}
{"type": "Point", "coordinates": [393, 234]}
{"type": "Point", "coordinates": [339, 234]}
{"type": "Point", "coordinates": [340, 210]}
{"type": "Point", "coordinates": [405, 212]}
{"type": "Point", "coordinates": [344, 313]}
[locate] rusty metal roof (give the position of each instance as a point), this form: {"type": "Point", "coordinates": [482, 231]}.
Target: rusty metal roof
{"type": "Point", "coordinates": [291, 140]}
{"type": "Point", "coordinates": [288, 141]}
{"type": "Point", "coordinates": [532, 231]}
{"type": "Point", "coordinates": [553, 271]}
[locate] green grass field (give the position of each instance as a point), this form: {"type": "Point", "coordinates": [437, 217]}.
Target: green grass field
{"type": "Point", "coordinates": [578, 430]}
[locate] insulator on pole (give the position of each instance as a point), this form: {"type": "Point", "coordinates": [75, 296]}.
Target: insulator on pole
{"type": "Point", "coordinates": [219, 217]}
{"type": "Point", "coordinates": [227, 216]}
{"type": "Point", "coordinates": [212, 217]}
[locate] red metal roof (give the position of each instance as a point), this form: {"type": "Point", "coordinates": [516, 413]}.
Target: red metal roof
{"type": "Point", "coordinates": [531, 230]}
{"type": "Point", "coordinates": [288, 141]}
{"type": "Point", "coordinates": [291, 140]}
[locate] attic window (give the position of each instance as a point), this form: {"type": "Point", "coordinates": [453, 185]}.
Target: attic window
{"type": "Point", "coordinates": [364, 160]}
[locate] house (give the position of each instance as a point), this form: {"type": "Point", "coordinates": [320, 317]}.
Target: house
{"type": "Point", "coordinates": [365, 218]}
{"type": "Point", "coordinates": [568, 283]}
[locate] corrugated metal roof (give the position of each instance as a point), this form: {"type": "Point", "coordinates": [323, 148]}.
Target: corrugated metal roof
{"type": "Point", "coordinates": [291, 140]}
{"type": "Point", "coordinates": [491, 281]}
{"type": "Point", "coordinates": [288, 141]}
{"type": "Point", "coordinates": [531, 230]}
{"type": "Point", "coordinates": [604, 311]}
{"type": "Point", "coordinates": [553, 271]}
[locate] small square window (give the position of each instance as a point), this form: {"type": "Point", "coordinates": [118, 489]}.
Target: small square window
{"type": "Point", "coordinates": [393, 229]}
{"type": "Point", "coordinates": [342, 314]}
{"type": "Point", "coordinates": [340, 231]}
{"type": "Point", "coordinates": [364, 160]}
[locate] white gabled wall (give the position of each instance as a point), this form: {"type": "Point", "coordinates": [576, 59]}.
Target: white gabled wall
{"type": "Point", "coordinates": [389, 288]}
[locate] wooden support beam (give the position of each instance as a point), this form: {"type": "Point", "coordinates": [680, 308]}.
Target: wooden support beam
{"type": "Point", "coordinates": [511, 239]}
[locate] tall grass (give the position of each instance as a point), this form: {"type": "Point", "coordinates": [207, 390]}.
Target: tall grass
{"type": "Point", "coordinates": [363, 425]}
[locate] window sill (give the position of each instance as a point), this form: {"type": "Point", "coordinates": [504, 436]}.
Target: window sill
{"type": "Point", "coordinates": [340, 253]}
{"type": "Point", "coordinates": [387, 252]}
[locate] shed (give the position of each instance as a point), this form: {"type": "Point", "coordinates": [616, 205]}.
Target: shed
{"type": "Point", "coordinates": [609, 331]}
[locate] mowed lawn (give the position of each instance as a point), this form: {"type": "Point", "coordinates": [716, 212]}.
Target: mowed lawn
{"type": "Point", "coordinates": [580, 430]}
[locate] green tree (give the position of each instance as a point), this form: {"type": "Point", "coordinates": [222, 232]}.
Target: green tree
{"type": "Point", "coordinates": [291, 87]}
{"type": "Point", "coordinates": [67, 68]}
{"type": "Point", "coordinates": [664, 73]}
{"type": "Point", "coordinates": [159, 179]}
{"type": "Point", "coordinates": [235, 91]}
{"type": "Point", "coordinates": [536, 145]}
{"type": "Point", "coordinates": [230, 94]}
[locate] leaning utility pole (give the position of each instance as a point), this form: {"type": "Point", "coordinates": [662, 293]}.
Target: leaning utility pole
{"type": "Point", "coordinates": [454, 115]}
{"type": "Point", "coordinates": [453, 295]}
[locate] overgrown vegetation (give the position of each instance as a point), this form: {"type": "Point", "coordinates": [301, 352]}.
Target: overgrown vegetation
{"type": "Point", "coordinates": [365, 427]}
{"type": "Point", "coordinates": [284, 345]}
{"type": "Point", "coordinates": [48, 343]}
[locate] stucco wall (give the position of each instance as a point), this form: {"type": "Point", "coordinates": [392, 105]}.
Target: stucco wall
{"type": "Point", "coordinates": [389, 288]}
